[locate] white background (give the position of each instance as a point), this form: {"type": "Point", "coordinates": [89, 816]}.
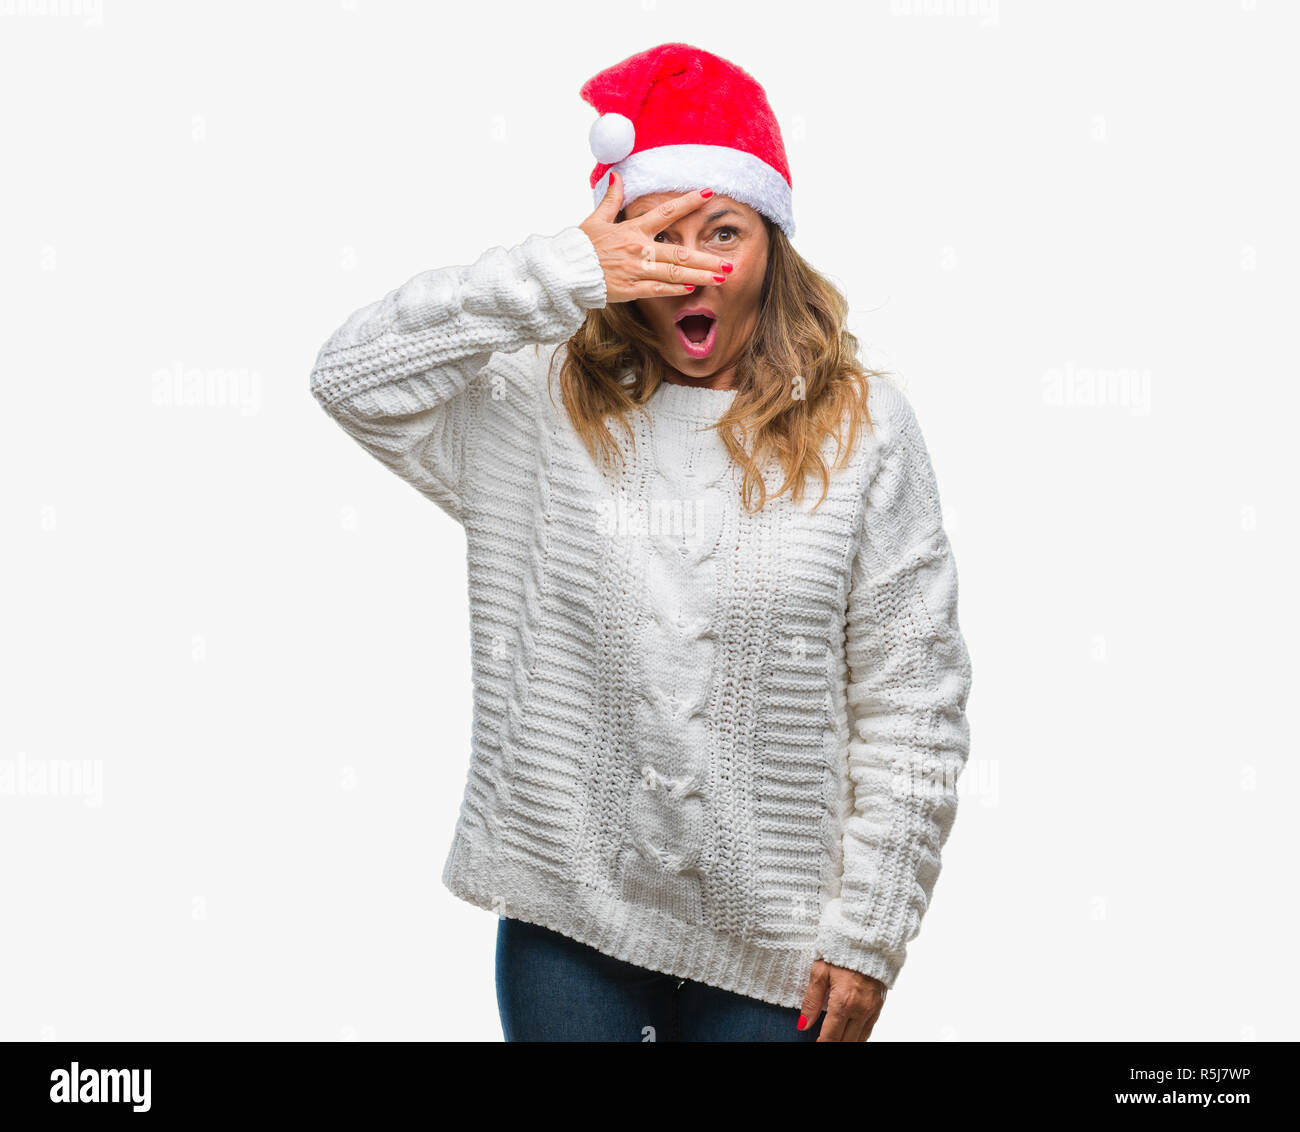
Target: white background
{"type": "Point", "coordinates": [254, 638]}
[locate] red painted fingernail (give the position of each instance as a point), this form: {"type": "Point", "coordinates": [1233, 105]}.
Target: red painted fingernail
{"type": "Point", "coordinates": [727, 266]}
{"type": "Point", "coordinates": [803, 1023]}
{"type": "Point", "coordinates": [719, 279]}
{"type": "Point", "coordinates": [689, 286]}
{"type": "Point", "coordinates": [706, 193]}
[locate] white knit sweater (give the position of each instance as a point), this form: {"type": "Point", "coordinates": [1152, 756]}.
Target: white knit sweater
{"type": "Point", "coordinates": [713, 744]}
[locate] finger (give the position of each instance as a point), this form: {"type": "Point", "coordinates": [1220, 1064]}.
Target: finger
{"type": "Point", "coordinates": [676, 273]}
{"type": "Point", "coordinates": [814, 998]}
{"type": "Point", "coordinates": [653, 289]}
{"type": "Point", "coordinates": [673, 209]}
{"type": "Point", "coordinates": [687, 257]}
{"type": "Point", "coordinates": [612, 201]}
{"type": "Point", "coordinates": [854, 1029]}
{"type": "Point", "coordinates": [870, 1024]}
{"type": "Point", "coordinates": [834, 1024]}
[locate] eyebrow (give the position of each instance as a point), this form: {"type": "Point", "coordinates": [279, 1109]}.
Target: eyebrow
{"type": "Point", "coordinates": [707, 220]}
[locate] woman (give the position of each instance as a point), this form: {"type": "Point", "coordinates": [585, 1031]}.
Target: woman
{"type": "Point", "coordinates": [719, 684]}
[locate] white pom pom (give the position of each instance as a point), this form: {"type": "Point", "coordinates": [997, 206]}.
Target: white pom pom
{"type": "Point", "coordinates": [612, 138]}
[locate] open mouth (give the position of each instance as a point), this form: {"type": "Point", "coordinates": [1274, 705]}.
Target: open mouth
{"type": "Point", "coordinates": [697, 329]}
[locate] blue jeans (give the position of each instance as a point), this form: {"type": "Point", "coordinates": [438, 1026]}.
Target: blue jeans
{"type": "Point", "coordinates": [553, 989]}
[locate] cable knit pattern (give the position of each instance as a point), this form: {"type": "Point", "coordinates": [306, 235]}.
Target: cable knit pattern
{"type": "Point", "coordinates": [714, 744]}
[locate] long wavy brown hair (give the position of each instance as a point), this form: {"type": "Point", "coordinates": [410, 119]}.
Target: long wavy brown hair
{"type": "Point", "coordinates": [798, 382]}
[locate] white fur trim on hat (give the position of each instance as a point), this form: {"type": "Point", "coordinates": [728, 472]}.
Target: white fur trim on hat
{"type": "Point", "coordinates": [729, 172]}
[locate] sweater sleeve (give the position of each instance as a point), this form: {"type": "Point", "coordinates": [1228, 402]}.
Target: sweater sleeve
{"type": "Point", "coordinates": [408, 376]}
{"type": "Point", "coordinates": [909, 678]}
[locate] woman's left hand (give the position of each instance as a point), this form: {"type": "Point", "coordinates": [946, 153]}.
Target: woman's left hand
{"type": "Point", "coordinates": [852, 1002]}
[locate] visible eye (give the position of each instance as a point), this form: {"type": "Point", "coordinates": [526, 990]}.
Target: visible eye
{"type": "Point", "coordinates": [728, 228]}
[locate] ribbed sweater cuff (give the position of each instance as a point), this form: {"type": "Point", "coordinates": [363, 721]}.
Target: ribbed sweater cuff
{"type": "Point", "coordinates": [839, 949]}
{"type": "Point", "coordinates": [576, 257]}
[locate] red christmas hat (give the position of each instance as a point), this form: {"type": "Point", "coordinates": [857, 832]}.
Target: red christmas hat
{"type": "Point", "coordinates": [675, 118]}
